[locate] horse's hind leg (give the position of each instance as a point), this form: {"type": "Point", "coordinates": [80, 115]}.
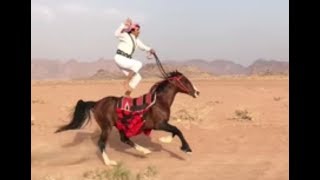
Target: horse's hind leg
{"type": "Point", "coordinates": [102, 145]}
{"type": "Point", "coordinates": [165, 126]}
{"type": "Point", "coordinates": [139, 148]}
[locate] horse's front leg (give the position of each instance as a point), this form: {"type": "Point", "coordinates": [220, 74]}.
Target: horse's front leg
{"type": "Point", "coordinates": [165, 126]}
{"type": "Point", "coordinates": [126, 140]}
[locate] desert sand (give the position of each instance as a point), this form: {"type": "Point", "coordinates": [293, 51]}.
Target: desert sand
{"type": "Point", "coordinates": [237, 129]}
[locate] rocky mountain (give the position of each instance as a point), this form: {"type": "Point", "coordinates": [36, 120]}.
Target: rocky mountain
{"type": "Point", "coordinates": [263, 67]}
{"type": "Point", "coordinates": [55, 69]}
{"type": "Point", "coordinates": [218, 67]}
{"type": "Point", "coordinates": [151, 70]}
{"type": "Point", "coordinates": [103, 68]}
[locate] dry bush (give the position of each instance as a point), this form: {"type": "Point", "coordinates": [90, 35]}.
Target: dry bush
{"type": "Point", "coordinates": [242, 115]}
{"type": "Point", "coordinates": [184, 115]}
{"type": "Point", "coordinates": [148, 174]}
{"type": "Point", "coordinates": [119, 172]}
{"type": "Point", "coordinates": [196, 113]}
{"type": "Point", "coordinates": [277, 98]}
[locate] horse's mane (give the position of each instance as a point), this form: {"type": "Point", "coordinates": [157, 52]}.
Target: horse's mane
{"type": "Point", "coordinates": [159, 86]}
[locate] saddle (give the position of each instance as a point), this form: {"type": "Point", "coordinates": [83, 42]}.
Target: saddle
{"type": "Point", "coordinates": [130, 113]}
{"type": "Point", "coordinates": [140, 103]}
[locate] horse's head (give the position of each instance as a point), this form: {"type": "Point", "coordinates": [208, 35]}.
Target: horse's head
{"type": "Point", "coordinates": [183, 84]}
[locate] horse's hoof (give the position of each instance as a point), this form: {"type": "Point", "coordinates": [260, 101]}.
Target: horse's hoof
{"type": "Point", "coordinates": [111, 163]}
{"type": "Point", "coordinates": [142, 149]}
{"type": "Point", "coordinates": [186, 149]}
{"type": "Point", "coordinates": [146, 151]}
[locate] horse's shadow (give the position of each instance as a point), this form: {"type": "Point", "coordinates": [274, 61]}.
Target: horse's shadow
{"type": "Point", "coordinates": [115, 143]}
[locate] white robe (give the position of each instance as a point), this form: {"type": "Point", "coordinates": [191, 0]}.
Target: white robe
{"type": "Point", "coordinates": [125, 43]}
{"type": "Point", "coordinates": [125, 63]}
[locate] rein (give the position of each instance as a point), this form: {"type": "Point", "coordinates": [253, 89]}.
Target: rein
{"type": "Point", "coordinates": [171, 79]}
{"type": "Point", "coordinates": [163, 72]}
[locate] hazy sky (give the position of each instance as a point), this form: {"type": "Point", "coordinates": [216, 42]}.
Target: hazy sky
{"type": "Point", "coordinates": [237, 30]}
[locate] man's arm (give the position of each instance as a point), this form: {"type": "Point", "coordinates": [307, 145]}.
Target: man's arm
{"type": "Point", "coordinates": [118, 33]}
{"type": "Point", "coordinates": [142, 46]}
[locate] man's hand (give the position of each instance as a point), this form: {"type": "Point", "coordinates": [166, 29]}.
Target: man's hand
{"type": "Point", "coordinates": [152, 51]}
{"type": "Point", "coordinates": [128, 22]}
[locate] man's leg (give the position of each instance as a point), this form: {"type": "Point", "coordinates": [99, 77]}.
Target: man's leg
{"type": "Point", "coordinates": [133, 77]}
{"type": "Point", "coordinates": [133, 81]}
{"type": "Point", "coordinates": [127, 83]}
{"type": "Point", "coordinates": [130, 67]}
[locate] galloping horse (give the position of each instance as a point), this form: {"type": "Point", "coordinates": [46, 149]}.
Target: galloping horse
{"type": "Point", "coordinates": [154, 114]}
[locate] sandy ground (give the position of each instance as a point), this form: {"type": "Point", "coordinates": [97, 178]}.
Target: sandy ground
{"type": "Point", "coordinates": [224, 146]}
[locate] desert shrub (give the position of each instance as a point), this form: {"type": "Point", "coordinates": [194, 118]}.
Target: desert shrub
{"type": "Point", "coordinates": [119, 172]}
{"type": "Point", "coordinates": [242, 115]}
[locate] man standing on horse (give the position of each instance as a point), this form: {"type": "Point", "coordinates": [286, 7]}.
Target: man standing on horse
{"type": "Point", "coordinates": [128, 33]}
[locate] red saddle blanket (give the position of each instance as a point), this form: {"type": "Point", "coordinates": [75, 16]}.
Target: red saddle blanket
{"type": "Point", "coordinates": [130, 113]}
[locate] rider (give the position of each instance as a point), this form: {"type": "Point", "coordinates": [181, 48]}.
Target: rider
{"type": "Point", "coordinates": [128, 33]}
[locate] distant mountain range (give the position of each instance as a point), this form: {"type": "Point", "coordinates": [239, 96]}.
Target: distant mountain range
{"type": "Point", "coordinates": [107, 69]}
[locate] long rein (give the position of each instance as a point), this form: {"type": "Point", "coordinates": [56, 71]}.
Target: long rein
{"type": "Point", "coordinates": [164, 74]}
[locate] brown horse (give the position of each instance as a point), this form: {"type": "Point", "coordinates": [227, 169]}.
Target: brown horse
{"type": "Point", "coordinates": [155, 118]}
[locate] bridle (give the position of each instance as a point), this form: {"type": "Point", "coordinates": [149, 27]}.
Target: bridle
{"type": "Point", "coordinates": [171, 80]}
{"type": "Point", "coordinates": [179, 84]}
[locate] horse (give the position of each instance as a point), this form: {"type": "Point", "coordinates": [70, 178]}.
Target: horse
{"type": "Point", "coordinates": [155, 117]}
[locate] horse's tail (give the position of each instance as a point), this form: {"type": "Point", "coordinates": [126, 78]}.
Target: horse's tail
{"type": "Point", "coordinates": [80, 114]}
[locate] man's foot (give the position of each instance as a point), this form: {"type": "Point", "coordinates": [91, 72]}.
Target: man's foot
{"type": "Point", "coordinates": [127, 93]}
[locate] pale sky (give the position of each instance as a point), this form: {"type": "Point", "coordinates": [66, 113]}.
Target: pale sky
{"type": "Point", "coordinates": [238, 30]}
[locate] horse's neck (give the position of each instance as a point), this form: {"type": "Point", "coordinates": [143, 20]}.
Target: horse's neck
{"type": "Point", "coordinates": [168, 94]}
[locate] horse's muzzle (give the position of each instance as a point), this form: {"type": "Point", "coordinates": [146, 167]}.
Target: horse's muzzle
{"type": "Point", "coordinates": [196, 94]}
